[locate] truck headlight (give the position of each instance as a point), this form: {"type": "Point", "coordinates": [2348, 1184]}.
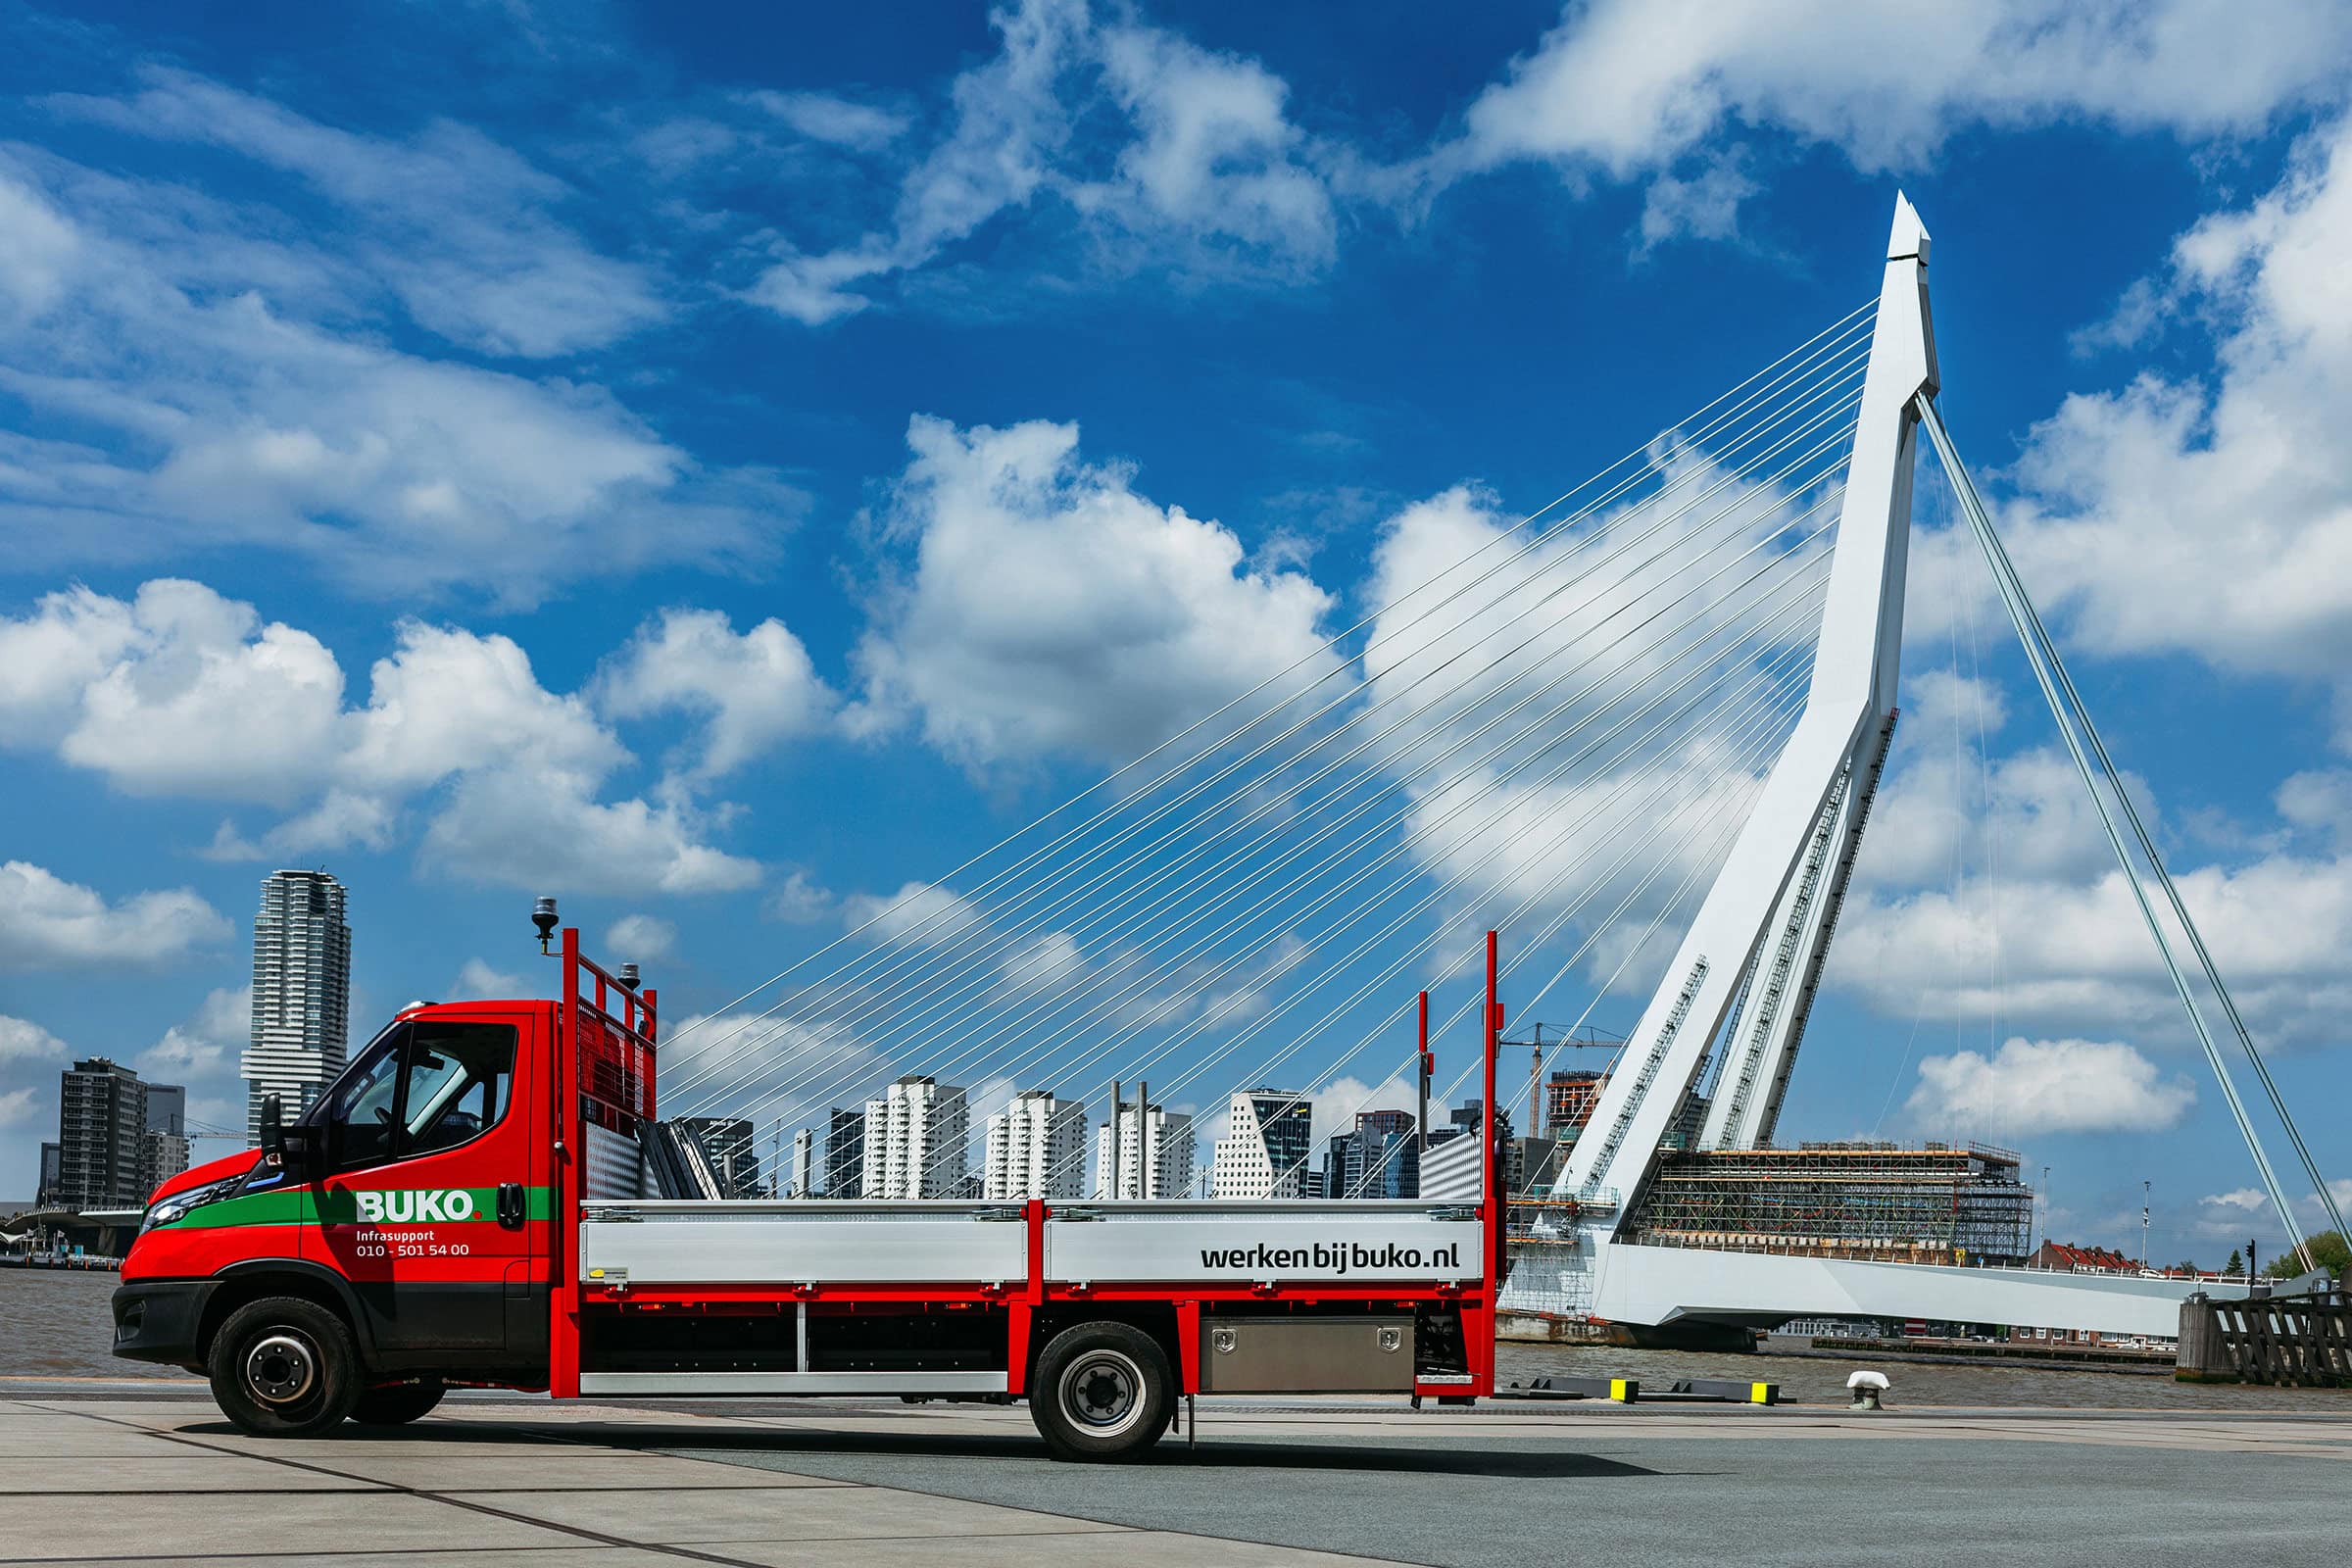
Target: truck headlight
{"type": "Point", "coordinates": [169, 1209]}
{"type": "Point", "coordinates": [179, 1205]}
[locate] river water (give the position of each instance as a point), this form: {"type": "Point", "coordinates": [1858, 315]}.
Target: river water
{"type": "Point", "coordinates": [55, 1323]}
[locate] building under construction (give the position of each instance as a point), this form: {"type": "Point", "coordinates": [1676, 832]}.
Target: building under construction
{"type": "Point", "coordinates": [1858, 1199]}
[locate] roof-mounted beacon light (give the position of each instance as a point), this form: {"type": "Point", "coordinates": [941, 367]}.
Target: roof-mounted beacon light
{"type": "Point", "coordinates": [543, 915]}
{"type": "Point", "coordinates": [629, 977]}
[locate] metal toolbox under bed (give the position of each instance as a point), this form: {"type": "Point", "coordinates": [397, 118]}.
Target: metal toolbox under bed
{"type": "Point", "coordinates": [1306, 1355]}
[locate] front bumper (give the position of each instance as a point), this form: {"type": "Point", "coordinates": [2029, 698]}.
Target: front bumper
{"type": "Point", "coordinates": [160, 1320]}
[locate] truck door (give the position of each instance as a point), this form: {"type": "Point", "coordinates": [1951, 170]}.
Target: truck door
{"type": "Point", "coordinates": [430, 1181]}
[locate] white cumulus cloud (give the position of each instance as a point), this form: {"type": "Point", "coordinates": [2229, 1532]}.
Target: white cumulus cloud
{"type": "Point", "coordinates": [21, 1040]}
{"type": "Point", "coordinates": [752, 691]}
{"type": "Point", "coordinates": [237, 409]}
{"type": "Point", "coordinates": [47, 922]}
{"type": "Point", "coordinates": [1628, 86]}
{"type": "Point", "coordinates": [2029, 1087]}
{"type": "Point", "coordinates": [1050, 608]}
{"type": "Point", "coordinates": [1174, 157]}
{"type": "Point", "coordinates": [641, 939]}
{"type": "Point", "coordinates": [2238, 482]}
{"type": "Point", "coordinates": [165, 695]}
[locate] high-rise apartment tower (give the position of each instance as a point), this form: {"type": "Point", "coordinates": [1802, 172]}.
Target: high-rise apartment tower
{"type": "Point", "coordinates": [301, 993]}
{"type": "Point", "coordinates": [101, 1134]}
{"type": "Point", "coordinates": [1162, 1139]}
{"type": "Point", "coordinates": [1035, 1147]}
{"type": "Point", "coordinates": [915, 1141]}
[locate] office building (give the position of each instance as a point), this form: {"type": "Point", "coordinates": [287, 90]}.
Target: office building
{"type": "Point", "coordinates": [1035, 1147]}
{"type": "Point", "coordinates": [301, 993]}
{"type": "Point", "coordinates": [844, 1154]}
{"type": "Point", "coordinates": [1155, 1158]}
{"type": "Point", "coordinates": [1379, 1158]}
{"type": "Point", "coordinates": [914, 1137]}
{"type": "Point", "coordinates": [45, 1190]}
{"type": "Point", "coordinates": [101, 1135]}
{"type": "Point", "coordinates": [167, 1109]}
{"type": "Point", "coordinates": [164, 1147]}
{"type": "Point", "coordinates": [1268, 1141]}
{"type": "Point", "coordinates": [162, 1156]}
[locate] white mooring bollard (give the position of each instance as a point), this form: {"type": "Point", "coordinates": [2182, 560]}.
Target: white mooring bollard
{"type": "Point", "coordinates": [1866, 1388]}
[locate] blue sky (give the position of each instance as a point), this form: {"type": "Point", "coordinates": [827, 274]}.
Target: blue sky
{"type": "Point", "coordinates": [724, 467]}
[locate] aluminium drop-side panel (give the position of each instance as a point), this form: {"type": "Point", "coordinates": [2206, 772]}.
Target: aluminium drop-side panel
{"type": "Point", "coordinates": [1248, 1242]}
{"type": "Point", "coordinates": [695, 1243]}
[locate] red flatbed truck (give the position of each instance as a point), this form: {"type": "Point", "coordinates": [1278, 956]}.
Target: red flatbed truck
{"type": "Point", "coordinates": [466, 1206]}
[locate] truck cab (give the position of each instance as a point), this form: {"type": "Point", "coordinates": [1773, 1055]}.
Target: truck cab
{"type": "Point", "coordinates": [392, 1241]}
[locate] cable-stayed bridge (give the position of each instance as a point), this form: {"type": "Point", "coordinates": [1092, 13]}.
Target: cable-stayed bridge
{"type": "Point", "coordinates": [1638, 730]}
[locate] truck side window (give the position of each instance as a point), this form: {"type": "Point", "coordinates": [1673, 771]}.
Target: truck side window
{"type": "Point", "coordinates": [457, 1078]}
{"type": "Point", "coordinates": [421, 1088]}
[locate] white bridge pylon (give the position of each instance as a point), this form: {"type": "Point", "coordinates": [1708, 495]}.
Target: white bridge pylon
{"type": "Point", "coordinates": [1743, 982]}
{"type": "Point", "coordinates": [1761, 934]}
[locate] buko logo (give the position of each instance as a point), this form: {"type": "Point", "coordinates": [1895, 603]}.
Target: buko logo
{"type": "Point", "coordinates": [414, 1207]}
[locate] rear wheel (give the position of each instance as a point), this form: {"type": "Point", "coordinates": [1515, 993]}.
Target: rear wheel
{"type": "Point", "coordinates": [283, 1368]}
{"type": "Point", "coordinates": [398, 1404]}
{"type": "Point", "coordinates": [1103, 1393]}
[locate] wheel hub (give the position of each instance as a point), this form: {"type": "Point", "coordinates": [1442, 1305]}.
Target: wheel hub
{"type": "Point", "coordinates": [1100, 1391]}
{"type": "Point", "coordinates": [281, 1368]}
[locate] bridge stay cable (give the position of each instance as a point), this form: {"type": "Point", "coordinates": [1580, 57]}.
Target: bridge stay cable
{"type": "Point", "coordinates": [2094, 763]}
{"type": "Point", "coordinates": [908, 969]}
{"type": "Point", "coordinates": [1200, 982]}
{"type": "Point", "coordinates": [1739, 395]}
{"type": "Point", "coordinates": [1793, 485]}
{"type": "Point", "coordinates": [1760, 717]}
{"type": "Point", "coordinates": [1395, 783]}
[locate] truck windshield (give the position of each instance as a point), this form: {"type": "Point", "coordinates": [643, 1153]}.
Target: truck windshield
{"type": "Point", "coordinates": [361, 1114]}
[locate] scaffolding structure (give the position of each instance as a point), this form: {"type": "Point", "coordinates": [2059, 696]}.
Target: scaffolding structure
{"type": "Point", "coordinates": [1864, 1199]}
{"type": "Point", "coordinates": [1550, 1268]}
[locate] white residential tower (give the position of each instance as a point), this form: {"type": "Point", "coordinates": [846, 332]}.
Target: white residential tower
{"type": "Point", "coordinates": [1163, 1141]}
{"type": "Point", "coordinates": [1035, 1147]}
{"type": "Point", "coordinates": [301, 993]}
{"type": "Point", "coordinates": [915, 1141]}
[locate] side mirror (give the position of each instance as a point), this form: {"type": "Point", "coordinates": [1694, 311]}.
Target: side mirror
{"type": "Point", "coordinates": [273, 1131]}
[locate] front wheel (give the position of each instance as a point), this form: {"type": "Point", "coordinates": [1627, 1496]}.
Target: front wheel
{"type": "Point", "coordinates": [398, 1404]}
{"type": "Point", "coordinates": [283, 1368]}
{"type": "Point", "coordinates": [1104, 1393]}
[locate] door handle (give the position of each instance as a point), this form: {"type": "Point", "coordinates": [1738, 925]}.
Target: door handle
{"type": "Point", "coordinates": [509, 1204]}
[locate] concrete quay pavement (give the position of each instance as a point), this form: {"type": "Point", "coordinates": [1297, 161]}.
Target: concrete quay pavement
{"type": "Point", "coordinates": [105, 1473]}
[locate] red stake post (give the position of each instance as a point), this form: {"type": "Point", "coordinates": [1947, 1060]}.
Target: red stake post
{"type": "Point", "coordinates": [1483, 1348]}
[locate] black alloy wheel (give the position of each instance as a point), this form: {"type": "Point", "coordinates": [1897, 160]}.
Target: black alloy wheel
{"type": "Point", "coordinates": [284, 1367]}
{"type": "Point", "coordinates": [1104, 1393]}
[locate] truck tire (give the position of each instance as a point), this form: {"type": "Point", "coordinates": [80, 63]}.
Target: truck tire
{"type": "Point", "coordinates": [398, 1404]}
{"type": "Point", "coordinates": [284, 1367]}
{"type": "Point", "coordinates": [1103, 1393]}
